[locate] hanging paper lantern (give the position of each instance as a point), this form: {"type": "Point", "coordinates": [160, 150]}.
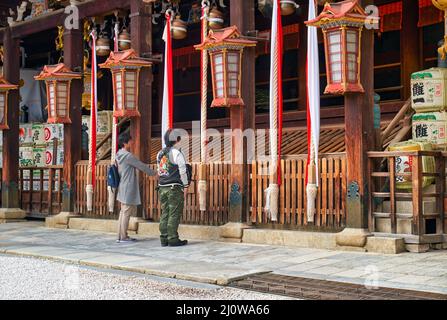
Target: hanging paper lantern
{"type": "Point", "coordinates": [125, 67]}
{"type": "Point", "coordinates": [226, 48]}
{"type": "Point", "coordinates": [179, 29]}
{"type": "Point", "coordinates": [58, 82]}
{"type": "Point", "coordinates": [5, 87]}
{"type": "Point", "coordinates": [342, 24]}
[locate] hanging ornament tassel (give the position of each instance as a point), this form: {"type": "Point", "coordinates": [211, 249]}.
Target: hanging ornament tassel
{"type": "Point", "coordinates": [272, 192]}
{"type": "Point", "coordinates": [202, 187]}
{"type": "Point", "coordinates": [311, 188]}
{"type": "Point", "coordinates": [271, 201]}
{"type": "Point", "coordinates": [91, 171]}
{"type": "Point", "coordinates": [112, 191]}
{"type": "Point", "coordinates": [313, 115]}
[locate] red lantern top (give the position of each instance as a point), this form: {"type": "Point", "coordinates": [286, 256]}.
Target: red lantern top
{"type": "Point", "coordinates": [342, 24]}
{"type": "Point", "coordinates": [57, 72]}
{"type": "Point", "coordinates": [226, 50]}
{"type": "Point", "coordinates": [347, 12]}
{"type": "Point", "coordinates": [127, 58]}
{"type": "Point", "coordinates": [6, 86]}
{"type": "Point", "coordinates": [223, 38]}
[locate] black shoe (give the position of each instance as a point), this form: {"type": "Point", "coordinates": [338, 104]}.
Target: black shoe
{"type": "Point", "coordinates": [164, 244]}
{"type": "Point", "coordinates": [178, 243]}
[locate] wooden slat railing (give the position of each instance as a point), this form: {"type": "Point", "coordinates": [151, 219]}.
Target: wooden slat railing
{"type": "Point", "coordinates": [330, 209]}
{"type": "Point", "coordinates": [387, 181]}
{"type": "Point", "coordinates": [331, 197]}
{"type": "Point", "coordinates": [100, 207]}
{"type": "Point", "coordinates": [40, 190]}
{"type": "Point", "coordinates": [217, 197]}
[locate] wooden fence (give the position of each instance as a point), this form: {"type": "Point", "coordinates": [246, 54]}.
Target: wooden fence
{"type": "Point", "coordinates": [217, 197]}
{"type": "Point", "coordinates": [100, 207]}
{"type": "Point", "coordinates": [40, 190]}
{"type": "Point", "coordinates": [330, 206]}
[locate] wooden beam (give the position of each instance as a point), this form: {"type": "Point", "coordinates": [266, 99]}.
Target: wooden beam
{"type": "Point", "coordinates": [141, 37]}
{"type": "Point", "coordinates": [11, 72]}
{"type": "Point", "coordinates": [242, 14]}
{"type": "Point", "coordinates": [359, 134]}
{"type": "Point", "coordinates": [410, 50]}
{"type": "Point", "coordinates": [53, 19]}
{"type": "Point", "coordinates": [73, 59]}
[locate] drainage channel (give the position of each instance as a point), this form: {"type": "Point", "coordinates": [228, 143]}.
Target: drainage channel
{"type": "Point", "coordinates": [314, 289]}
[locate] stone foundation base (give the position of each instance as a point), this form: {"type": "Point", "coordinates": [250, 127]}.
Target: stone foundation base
{"type": "Point", "coordinates": [351, 237]}
{"type": "Point", "coordinates": [348, 240]}
{"type": "Point", "coordinates": [233, 231]}
{"type": "Point", "coordinates": [385, 245]}
{"type": "Point", "coordinates": [303, 239]}
{"type": "Point", "coordinates": [186, 231]}
{"type": "Point", "coordinates": [417, 248]}
{"type": "Point", "coordinates": [60, 221]}
{"type": "Point", "coordinates": [12, 215]}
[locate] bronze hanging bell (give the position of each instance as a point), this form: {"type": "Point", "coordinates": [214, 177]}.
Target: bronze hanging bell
{"type": "Point", "coordinates": [103, 46]}
{"type": "Point", "coordinates": [179, 29]}
{"type": "Point", "coordinates": [288, 7]}
{"type": "Point", "coordinates": [124, 42]}
{"type": "Point", "coordinates": [215, 19]}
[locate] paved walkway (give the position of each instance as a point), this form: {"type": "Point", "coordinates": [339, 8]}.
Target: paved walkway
{"type": "Point", "coordinates": [219, 262]}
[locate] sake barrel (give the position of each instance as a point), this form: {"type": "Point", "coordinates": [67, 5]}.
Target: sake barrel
{"type": "Point", "coordinates": [430, 127]}
{"type": "Point", "coordinates": [428, 90]}
{"type": "Point", "coordinates": [404, 163]}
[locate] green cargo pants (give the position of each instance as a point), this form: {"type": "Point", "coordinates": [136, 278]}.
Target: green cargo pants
{"type": "Point", "coordinates": [172, 200]}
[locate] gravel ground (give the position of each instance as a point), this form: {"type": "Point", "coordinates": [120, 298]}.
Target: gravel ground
{"type": "Point", "coordinates": [37, 279]}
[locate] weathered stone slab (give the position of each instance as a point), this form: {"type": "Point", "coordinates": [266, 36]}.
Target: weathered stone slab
{"type": "Point", "coordinates": [385, 245]}
{"type": "Point", "coordinates": [14, 214]}
{"type": "Point", "coordinates": [101, 225]}
{"type": "Point", "coordinates": [319, 240]}
{"type": "Point", "coordinates": [151, 229]}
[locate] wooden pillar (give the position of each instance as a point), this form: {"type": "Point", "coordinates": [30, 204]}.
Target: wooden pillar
{"type": "Point", "coordinates": [10, 172]}
{"type": "Point", "coordinates": [302, 58]}
{"type": "Point", "coordinates": [359, 135]}
{"type": "Point", "coordinates": [410, 49]}
{"type": "Point", "coordinates": [141, 38]}
{"type": "Point", "coordinates": [242, 14]}
{"type": "Point", "coordinates": [73, 59]}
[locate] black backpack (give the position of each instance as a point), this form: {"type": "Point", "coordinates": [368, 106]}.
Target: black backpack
{"type": "Point", "coordinates": [189, 173]}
